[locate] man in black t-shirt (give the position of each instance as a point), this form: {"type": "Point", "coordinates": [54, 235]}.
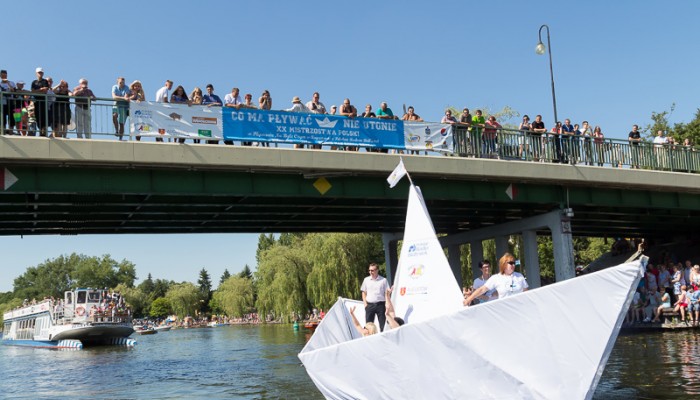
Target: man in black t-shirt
{"type": "Point", "coordinates": [537, 130]}
{"type": "Point", "coordinates": [634, 139]}
{"type": "Point", "coordinates": [41, 86]}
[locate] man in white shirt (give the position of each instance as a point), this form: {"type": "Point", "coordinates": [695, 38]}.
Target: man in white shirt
{"type": "Point", "coordinates": [659, 143]}
{"type": "Point", "coordinates": [373, 295]}
{"type": "Point", "coordinates": [315, 105]}
{"type": "Point", "coordinates": [660, 139]}
{"type": "Point", "coordinates": [233, 99]}
{"type": "Point", "coordinates": [485, 268]}
{"type": "Point", "coordinates": [163, 94]}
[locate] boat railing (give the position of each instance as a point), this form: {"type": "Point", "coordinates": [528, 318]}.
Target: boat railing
{"type": "Point", "coordinates": [108, 316]}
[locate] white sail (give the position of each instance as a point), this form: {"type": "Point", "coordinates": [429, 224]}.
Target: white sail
{"type": "Point", "coordinates": [424, 285]}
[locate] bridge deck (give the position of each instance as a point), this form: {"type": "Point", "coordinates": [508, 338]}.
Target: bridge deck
{"type": "Point", "coordinates": [81, 186]}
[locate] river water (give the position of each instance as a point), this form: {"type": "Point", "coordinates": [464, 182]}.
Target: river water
{"type": "Point", "coordinates": [260, 362]}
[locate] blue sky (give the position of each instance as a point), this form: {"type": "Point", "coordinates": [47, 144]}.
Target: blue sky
{"type": "Point", "coordinates": [614, 63]}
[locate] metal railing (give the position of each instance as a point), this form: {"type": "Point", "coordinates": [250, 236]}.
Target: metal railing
{"type": "Point", "coordinates": [33, 114]}
{"type": "Point", "coordinates": [509, 144]}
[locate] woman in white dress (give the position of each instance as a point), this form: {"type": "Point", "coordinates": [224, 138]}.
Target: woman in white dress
{"type": "Point", "coordinates": [507, 282]}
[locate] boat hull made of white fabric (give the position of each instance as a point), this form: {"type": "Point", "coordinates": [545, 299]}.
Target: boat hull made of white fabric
{"type": "Point", "coordinates": [548, 343]}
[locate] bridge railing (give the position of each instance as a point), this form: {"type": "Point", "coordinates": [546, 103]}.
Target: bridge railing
{"type": "Point", "coordinates": [29, 114]}
{"type": "Point", "coordinates": [511, 144]}
{"type": "Point", "coordinates": [102, 118]}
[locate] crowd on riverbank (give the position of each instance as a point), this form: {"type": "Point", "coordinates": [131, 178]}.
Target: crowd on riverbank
{"type": "Point", "coordinates": [669, 292]}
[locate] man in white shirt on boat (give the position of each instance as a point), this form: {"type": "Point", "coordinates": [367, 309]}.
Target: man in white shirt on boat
{"type": "Point", "coordinates": [485, 267]}
{"type": "Point", "coordinates": [373, 295]}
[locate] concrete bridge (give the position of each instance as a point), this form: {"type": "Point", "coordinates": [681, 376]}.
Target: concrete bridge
{"type": "Point", "coordinates": [57, 186]}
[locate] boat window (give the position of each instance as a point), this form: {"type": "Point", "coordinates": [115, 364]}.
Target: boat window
{"type": "Point", "coordinates": [69, 297]}
{"type": "Point", "coordinates": [82, 296]}
{"type": "Point", "coordinates": [94, 297]}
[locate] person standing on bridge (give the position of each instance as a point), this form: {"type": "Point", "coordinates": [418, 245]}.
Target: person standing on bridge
{"type": "Point", "coordinates": [163, 94]}
{"type": "Point", "coordinates": [83, 118]}
{"type": "Point", "coordinates": [373, 295]}
{"type": "Point", "coordinates": [120, 93]}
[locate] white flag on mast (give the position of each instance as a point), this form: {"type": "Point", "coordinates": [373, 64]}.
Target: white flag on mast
{"type": "Point", "coordinates": [396, 174]}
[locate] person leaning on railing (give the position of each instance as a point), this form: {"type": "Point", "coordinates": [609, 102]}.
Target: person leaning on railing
{"type": "Point", "coordinates": [491, 127]}
{"type": "Point", "coordinates": [524, 128]}
{"type": "Point", "coordinates": [61, 110]}
{"type": "Point", "coordinates": [83, 95]}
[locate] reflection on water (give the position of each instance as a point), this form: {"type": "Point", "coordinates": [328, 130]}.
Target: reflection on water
{"type": "Point", "coordinates": [260, 362]}
{"type": "Point", "coordinates": [653, 366]}
{"type": "Point", "coordinates": [241, 362]}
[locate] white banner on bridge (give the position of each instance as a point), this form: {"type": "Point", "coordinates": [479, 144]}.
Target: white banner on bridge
{"type": "Point", "coordinates": [428, 136]}
{"type": "Point", "coordinates": [150, 119]}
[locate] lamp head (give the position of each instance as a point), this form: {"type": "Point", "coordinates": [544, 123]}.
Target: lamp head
{"type": "Point", "coordinates": [540, 48]}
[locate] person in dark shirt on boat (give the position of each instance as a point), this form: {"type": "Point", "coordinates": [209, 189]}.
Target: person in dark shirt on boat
{"type": "Point", "coordinates": [373, 295]}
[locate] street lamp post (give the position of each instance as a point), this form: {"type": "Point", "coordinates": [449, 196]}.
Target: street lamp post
{"type": "Point", "coordinates": [540, 49]}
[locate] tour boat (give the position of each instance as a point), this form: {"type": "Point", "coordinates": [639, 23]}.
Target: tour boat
{"type": "Point", "coordinates": [76, 321]}
{"type": "Point", "coordinates": [549, 343]}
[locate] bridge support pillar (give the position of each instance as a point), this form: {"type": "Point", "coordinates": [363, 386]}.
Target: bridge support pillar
{"type": "Point", "coordinates": [563, 244]}
{"type": "Point", "coordinates": [501, 246]}
{"type": "Point", "coordinates": [556, 221]}
{"type": "Point", "coordinates": [391, 255]}
{"type": "Point", "coordinates": [477, 254]}
{"type": "Point", "coordinates": [455, 262]}
{"type": "Point", "coordinates": [531, 259]}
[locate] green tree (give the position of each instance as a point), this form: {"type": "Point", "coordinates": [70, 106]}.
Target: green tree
{"type": "Point", "coordinates": [505, 116]}
{"type": "Point", "coordinates": [184, 299]}
{"type": "Point", "coordinates": [160, 308]}
{"type": "Point", "coordinates": [139, 301]}
{"type": "Point", "coordinates": [281, 281]}
{"type": "Point", "coordinates": [224, 276]}
{"type": "Point", "coordinates": [235, 296]}
{"type": "Point", "coordinates": [50, 278]}
{"type": "Point", "coordinates": [340, 263]}
{"type": "Point", "coordinates": [8, 305]}
{"type": "Point", "coordinates": [290, 239]}
{"type": "Point", "coordinates": [589, 249]}
{"type": "Point", "coordinates": [147, 286]}
{"type": "Point", "coordinates": [659, 123]}
{"type": "Point", "coordinates": [246, 273]}
{"type": "Point", "coordinates": [691, 130]}
{"type": "Point", "coordinates": [103, 272]}
{"type": "Point", "coordinates": [160, 288]}
{"type": "Point", "coordinates": [204, 283]}
{"type": "Point", "coordinates": [264, 243]}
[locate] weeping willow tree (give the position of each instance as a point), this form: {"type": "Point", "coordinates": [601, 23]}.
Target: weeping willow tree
{"type": "Point", "coordinates": [340, 263]}
{"type": "Point", "coordinates": [184, 299]}
{"type": "Point", "coordinates": [235, 296]}
{"type": "Point", "coordinates": [281, 281]}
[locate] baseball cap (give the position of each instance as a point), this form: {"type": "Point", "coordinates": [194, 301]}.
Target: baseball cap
{"type": "Point", "coordinates": [39, 69]}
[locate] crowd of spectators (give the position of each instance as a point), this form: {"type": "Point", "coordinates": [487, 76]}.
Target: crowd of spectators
{"type": "Point", "coordinates": [45, 109]}
{"type": "Point", "coordinates": [669, 289]}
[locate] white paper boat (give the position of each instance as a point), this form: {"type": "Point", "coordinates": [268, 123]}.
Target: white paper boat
{"type": "Point", "coordinates": [548, 343]}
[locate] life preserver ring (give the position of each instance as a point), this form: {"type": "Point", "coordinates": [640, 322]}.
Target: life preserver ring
{"type": "Point", "coordinates": [80, 311]}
